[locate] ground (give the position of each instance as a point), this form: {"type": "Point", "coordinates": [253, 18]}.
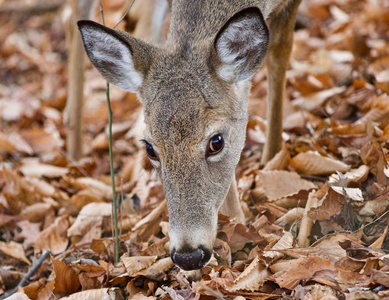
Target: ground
{"type": "Point", "coordinates": [317, 214]}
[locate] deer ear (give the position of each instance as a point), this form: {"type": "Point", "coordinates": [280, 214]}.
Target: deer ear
{"type": "Point", "coordinates": [120, 58]}
{"type": "Point", "coordinates": [241, 45]}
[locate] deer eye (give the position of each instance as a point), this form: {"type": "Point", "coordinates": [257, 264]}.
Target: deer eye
{"type": "Point", "coordinates": [150, 151]}
{"type": "Point", "coordinates": [216, 144]}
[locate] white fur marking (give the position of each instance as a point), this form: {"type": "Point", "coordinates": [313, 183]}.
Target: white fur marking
{"type": "Point", "coordinates": [240, 32]}
{"type": "Point", "coordinates": [103, 48]}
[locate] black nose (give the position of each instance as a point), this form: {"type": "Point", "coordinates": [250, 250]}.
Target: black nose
{"type": "Point", "coordinates": [191, 259]}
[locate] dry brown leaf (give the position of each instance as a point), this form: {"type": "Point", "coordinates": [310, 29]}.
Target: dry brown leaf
{"type": "Point", "coordinates": [90, 215]}
{"type": "Point", "coordinates": [378, 242]}
{"type": "Point", "coordinates": [97, 186]}
{"type": "Point", "coordinates": [30, 232]}
{"type": "Point", "coordinates": [36, 212]}
{"type": "Point", "coordinates": [21, 191]}
{"type": "Point", "coordinates": [33, 168]}
{"type": "Point", "coordinates": [136, 263]}
{"type": "Point", "coordinates": [293, 215]}
{"type": "Point", "coordinates": [302, 268]}
{"type": "Point", "coordinates": [382, 81]}
{"type": "Point", "coordinates": [282, 265]}
{"type": "Point", "coordinates": [252, 277]}
{"type": "Point", "coordinates": [42, 141]}
{"type": "Point", "coordinates": [281, 184]}
{"type": "Point", "coordinates": [18, 296]}
{"type": "Point", "coordinates": [54, 237]}
{"type": "Point", "coordinates": [329, 205]}
{"type": "Point", "coordinates": [14, 250]}
{"type": "Point", "coordinates": [85, 197]}
{"type": "Point", "coordinates": [352, 193]}
{"type": "Point", "coordinates": [33, 289]}
{"type": "Point", "coordinates": [96, 294]}
{"type": "Point", "coordinates": [354, 175]}
{"type": "Point", "coordinates": [66, 279]}
{"type": "Point", "coordinates": [330, 244]}
{"type": "Point", "coordinates": [319, 292]}
{"type": "Point", "coordinates": [372, 155]}
{"type": "Point", "coordinates": [379, 111]}
{"type": "Point", "coordinates": [306, 223]}
{"type": "Point", "coordinates": [315, 100]}
{"type": "Point", "coordinates": [300, 119]}
{"type": "Point", "coordinates": [285, 242]}
{"type": "Point", "coordinates": [46, 292]}
{"type": "Point", "coordinates": [362, 294]}
{"type": "Point", "coordinates": [312, 163]}
{"type": "Point", "coordinates": [140, 296]}
{"type": "Point", "coordinates": [157, 270]}
{"type": "Point", "coordinates": [375, 207]}
{"type": "Point", "coordinates": [150, 225]}
{"type": "Point", "coordinates": [380, 277]}
{"type": "Point", "coordinates": [14, 142]}
{"type": "Point", "coordinates": [280, 161]}
{"type": "Point", "coordinates": [237, 235]}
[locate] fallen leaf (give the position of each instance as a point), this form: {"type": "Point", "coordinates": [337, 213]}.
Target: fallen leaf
{"type": "Point", "coordinates": [34, 168]}
{"type": "Point", "coordinates": [293, 215]}
{"type": "Point", "coordinates": [90, 215]}
{"type": "Point", "coordinates": [327, 206]}
{"type": "Point", "coordinates": [41, 140]}
{"type": "Point", "coordinates": [252, 278]}
{"type": "Point", "coordinates": [66, 279]}
{"type": "Point", "coordinates": [157, 270]}
{"type": "Point", "coordinates": [354, 175]}
{"type": "Point", "coordinates": [89, 294]}
{"type": "Point", "coordinates": [312, 163]}
{"type": "Point", "coordinates": [150, 225]}
{"type": "Point", "coordinates": [136, 263]}
{"type": "Point", "coordinates": [315, 100]}
{"type": "Point", "coordinates": [54, 237]}
{"type": "Point", "coordinates": [279, 162]}
{"type": "Point", "coordinates": [18, 296]}
{"type": "Point", "coordinates": [382, 81]}
{"type": "Point", "coordinates": [14, 142]}
{"type": "Point", "coordinates": [285, 242]}
{"type": "Point", "coordinates": [301, 268]}
{"type": "Point", "coordinates": [281, 184]}
{"type": "Point", "coordinates": [14, 250]}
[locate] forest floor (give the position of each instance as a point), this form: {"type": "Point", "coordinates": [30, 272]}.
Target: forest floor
{"type": "Point", "coordinates": [317, 214]}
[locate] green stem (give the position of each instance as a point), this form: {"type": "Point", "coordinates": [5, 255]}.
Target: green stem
{"type": "Point", "coordinates": [114, 199]}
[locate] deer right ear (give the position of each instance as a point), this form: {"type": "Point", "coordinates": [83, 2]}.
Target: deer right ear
{"type": "Point", "coordinates": [241, 45]}
{"type": "Point", "coordinates": [121, 59]}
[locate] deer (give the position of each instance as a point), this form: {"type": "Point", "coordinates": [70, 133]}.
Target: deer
{"type": "Point", "coordinates": [194, 90]}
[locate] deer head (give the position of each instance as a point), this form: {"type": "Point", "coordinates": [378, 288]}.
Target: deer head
{"type": "Point", "coordinates": [194, 91]}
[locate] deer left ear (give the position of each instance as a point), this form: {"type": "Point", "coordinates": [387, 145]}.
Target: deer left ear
{"type": "Point", "coordinates": [241, 45]}
{"type": "Point", "coordinates": [122, 59]}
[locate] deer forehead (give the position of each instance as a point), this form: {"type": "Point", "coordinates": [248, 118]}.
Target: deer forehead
{"type": "Point", "coordinates": [174, 120]}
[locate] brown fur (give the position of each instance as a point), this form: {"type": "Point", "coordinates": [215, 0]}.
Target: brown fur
{"type": "Point", "coordinates": [190, 92]}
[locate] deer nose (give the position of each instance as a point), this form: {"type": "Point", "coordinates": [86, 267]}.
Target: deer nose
{"type": "Point", "coordinates": [191, 259]}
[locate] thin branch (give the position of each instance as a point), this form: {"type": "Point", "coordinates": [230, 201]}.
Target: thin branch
{"type": "Point", "coordinates": [114, 198]}
{"type": "Point", "coordinates": [125, 14]}
{"type": "Point", "coordinates": [30, 272]}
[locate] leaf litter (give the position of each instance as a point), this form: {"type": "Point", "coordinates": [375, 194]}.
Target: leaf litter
{"type": "Point", "coordinates": [317, 213]}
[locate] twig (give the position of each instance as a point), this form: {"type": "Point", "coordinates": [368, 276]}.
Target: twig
{"type": "Point", "coordinates": [30, 272]}
{"type": "Point", "coordinates": [74, 163]}
{"type": "Point", "coordinates": [114, 199]}
{"type": "Point", "coordinates": [125, 14]}
{"type": "Point", "coordinates": [121, 204]}
{"type": "Point", "coordinates": [313, 178]}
